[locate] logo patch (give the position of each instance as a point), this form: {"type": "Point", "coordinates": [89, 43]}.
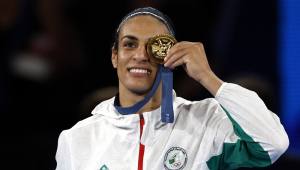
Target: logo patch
{"type": "Point", "coordinates": [104, 168]}
{"type": "Point", "coordinates": [175, 158]}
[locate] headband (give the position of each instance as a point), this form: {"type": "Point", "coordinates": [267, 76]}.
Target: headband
{"type": "Point", "coordinates": [148, 11]}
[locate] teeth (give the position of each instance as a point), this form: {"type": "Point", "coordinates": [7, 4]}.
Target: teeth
{"type": "Point", "coordinates": [139, 71]}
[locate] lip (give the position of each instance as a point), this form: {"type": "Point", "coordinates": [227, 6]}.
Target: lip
{"type": "Point", "coordinates": [139, 73]}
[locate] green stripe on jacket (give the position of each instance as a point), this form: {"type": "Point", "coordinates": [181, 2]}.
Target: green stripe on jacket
{"type": "Point", "coordinates": [243, 153]}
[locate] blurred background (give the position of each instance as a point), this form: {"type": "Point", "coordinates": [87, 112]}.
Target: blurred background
{"type": "Point", "coordinates": [55, 64]}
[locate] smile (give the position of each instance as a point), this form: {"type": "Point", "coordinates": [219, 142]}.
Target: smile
{"type": "Point", "coordinates": [139, 71]}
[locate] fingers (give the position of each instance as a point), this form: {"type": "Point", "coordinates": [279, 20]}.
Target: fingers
{"type": "Point", "coordinates": [182, 53]}
{"type": "Point", "coordinates": [176, 59]}
{"type": "Point", "coordinates": [177, 47]}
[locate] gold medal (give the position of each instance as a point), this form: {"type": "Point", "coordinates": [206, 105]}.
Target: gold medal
{"type": "Point", "coordinates": [159, 46]}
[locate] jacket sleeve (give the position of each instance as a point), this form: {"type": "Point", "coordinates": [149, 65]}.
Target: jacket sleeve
{"type": "Point", "coordinates": [63, 156]}
{"type": "Point", "coordinates": [256, 138]}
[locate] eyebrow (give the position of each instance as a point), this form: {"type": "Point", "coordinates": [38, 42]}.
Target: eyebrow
{"type": "Point", "coordinates": [130, 37]}
{"type": "Point", "coordinates": [133, 37]}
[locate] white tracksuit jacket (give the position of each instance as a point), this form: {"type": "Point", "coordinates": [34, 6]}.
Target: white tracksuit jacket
{"type": "Point", "coordinates": [234, 129]}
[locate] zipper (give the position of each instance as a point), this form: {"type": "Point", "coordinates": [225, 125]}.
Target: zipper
{"type": "Point", "coordinates": [142, 147]}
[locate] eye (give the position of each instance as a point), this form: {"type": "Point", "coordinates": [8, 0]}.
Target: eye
{"type": "Point", "coordinates": [129, 45]}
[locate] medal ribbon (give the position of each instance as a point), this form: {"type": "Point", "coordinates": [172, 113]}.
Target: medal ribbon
{"type": "Point", "coordinates": [167, 115]}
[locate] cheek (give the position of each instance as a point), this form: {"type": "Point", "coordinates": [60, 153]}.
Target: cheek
{"type": "Point", "coordinates": [154, 64]}
{"type": "Point", "coordinates": [123, 60]}
{"type": "Point", "coordinates": [124, 57]}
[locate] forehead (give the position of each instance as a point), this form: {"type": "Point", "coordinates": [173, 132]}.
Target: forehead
{"type": "Point", "coordinates": [143, 25]}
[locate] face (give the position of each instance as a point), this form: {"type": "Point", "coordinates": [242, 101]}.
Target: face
{"type": "Point", "coordinates": [136, 71]}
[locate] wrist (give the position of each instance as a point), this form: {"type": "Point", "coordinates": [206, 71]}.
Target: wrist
{"type": "Point", "coordinates": [211, 82]}
{"type": "Point", "coordinates": [204, 77]}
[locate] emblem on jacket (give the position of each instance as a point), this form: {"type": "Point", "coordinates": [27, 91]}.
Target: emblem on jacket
{"type": "Point", "coordinates": [175, 158]}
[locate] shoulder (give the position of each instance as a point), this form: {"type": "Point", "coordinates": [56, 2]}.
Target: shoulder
{"type": "Point", "coordinates": [207, 110]}
{"type": "Point", "coordinates": [205, 105]}
{"type": "Point", "coordinates": [97, 120]}
{"type": "Point", "coordinates": [85, 124]}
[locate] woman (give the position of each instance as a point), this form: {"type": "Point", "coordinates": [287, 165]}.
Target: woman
{"type": "Point", "coordinates": [234, 129]}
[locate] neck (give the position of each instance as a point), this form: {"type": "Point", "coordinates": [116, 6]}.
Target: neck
{"type": "Point", "coordinates": [128, 98]}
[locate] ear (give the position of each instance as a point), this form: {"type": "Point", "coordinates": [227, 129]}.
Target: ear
{"type": "Point", "coordinates": [114, 57]}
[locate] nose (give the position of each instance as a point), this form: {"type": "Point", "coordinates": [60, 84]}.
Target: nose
{"type": "Point", "coordinates": [141, 54]}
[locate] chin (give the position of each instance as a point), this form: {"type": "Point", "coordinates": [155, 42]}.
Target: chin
{"type": "Point", "coordinates": [140, 90]}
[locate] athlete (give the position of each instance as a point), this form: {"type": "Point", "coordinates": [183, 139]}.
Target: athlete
{"type": "Point", "coordinates": [234, 129]}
